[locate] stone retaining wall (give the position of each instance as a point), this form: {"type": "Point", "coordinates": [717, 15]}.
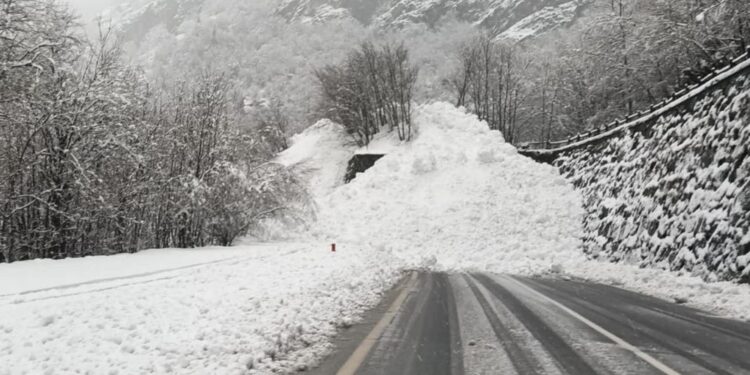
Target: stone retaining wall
{"type": "Point", "coordinates": [674, 194]}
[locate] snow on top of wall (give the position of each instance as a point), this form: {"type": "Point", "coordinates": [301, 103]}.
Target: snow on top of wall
{"type": "Point", "coordinates": [383, 143]}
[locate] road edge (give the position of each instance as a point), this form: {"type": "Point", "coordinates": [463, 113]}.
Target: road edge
{"type": "Point", "coordinates": [349, 340]}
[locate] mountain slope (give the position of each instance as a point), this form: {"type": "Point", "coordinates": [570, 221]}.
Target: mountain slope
{"type": "Point", "coordinates": [513, 20]}
{"type": "Point", "coordinates": [518, 18]}
{"type": "Point", "coordinates": [323, 10]}
{"type": "Point", "coordinates": [136, 18]}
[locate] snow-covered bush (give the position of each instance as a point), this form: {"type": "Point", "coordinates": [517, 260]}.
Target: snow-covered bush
{"type": "Point", "coordinates": [238, 201]}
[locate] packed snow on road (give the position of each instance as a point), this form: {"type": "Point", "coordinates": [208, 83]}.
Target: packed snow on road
{"type": "Point", "coordinates": [457, 199]}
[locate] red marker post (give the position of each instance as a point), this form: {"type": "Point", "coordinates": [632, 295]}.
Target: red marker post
{"type": "Point", "coordinates": [333, 247]}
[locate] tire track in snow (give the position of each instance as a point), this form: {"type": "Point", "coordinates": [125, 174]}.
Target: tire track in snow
{"type": "Point", "coordinates": [457, 352]}
{"type": "Point", "coordinates": [18, 298]}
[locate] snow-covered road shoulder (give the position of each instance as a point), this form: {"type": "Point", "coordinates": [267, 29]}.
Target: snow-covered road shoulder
{"type": "Point", "coordinates": [271, 308]}
{"type": "Point", "coordinates": [42, 275]}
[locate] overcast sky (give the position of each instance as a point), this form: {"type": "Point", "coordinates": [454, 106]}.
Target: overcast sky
{"type": "Point", "coordinates": [90, 8]}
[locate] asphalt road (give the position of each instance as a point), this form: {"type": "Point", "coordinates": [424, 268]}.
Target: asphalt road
{"type": "Point", "coordinates": [437, 324]}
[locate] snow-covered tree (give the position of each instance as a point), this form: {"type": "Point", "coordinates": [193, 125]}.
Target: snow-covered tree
{"type": "Point", "coordinates": [98, 160]}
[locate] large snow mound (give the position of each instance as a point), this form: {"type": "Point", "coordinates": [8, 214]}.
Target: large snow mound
{"type": "Point", "coordinates": [458, 198]}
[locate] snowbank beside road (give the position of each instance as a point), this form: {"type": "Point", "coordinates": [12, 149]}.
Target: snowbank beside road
{"type": "Point", "coordinates": [724, 298]}
{"type": "Point", "coordinates": [274, 309]}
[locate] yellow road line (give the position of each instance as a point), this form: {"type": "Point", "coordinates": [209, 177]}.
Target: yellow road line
{"type": "Point", "coordinates": [352, 364]}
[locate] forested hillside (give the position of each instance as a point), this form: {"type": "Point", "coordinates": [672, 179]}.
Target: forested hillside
{"type": "Point", "coordinates": [570, 65]}
{"type": "Point", "coordinates": [514, 20]}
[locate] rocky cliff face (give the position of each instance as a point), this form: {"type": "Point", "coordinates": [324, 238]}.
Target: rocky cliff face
{"type": "Point", "coordinates": [677, 194]}
{"type": "Point", "coordinates": [323, 10]}
{"type": "Point", "coordinates": [136, 18]}
{"type": "Point", "coordinates": [515, 19]}
{"type": "Point", "coordinates": [512, 20]}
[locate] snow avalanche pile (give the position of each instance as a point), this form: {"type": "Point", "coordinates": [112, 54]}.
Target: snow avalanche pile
{"type": "Point", "coordinates": [458, 198]}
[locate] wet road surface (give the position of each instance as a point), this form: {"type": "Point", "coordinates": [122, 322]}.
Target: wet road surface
{"type": "Point", "coordinates": [437, 324]}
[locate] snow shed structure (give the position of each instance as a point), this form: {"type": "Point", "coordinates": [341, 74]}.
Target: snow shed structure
{"type": "Point", "coordinates": [360, 163]}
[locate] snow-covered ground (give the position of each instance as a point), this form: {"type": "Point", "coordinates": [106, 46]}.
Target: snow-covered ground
{"type": "Point", "coordinates": [45, 274]}
{"type": "Point", "coordinates": [457, 198]}
{"type": "Point", "coordinates": [265, 308]}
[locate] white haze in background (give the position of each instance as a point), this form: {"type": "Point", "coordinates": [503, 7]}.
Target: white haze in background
{"type": "Point", "coordinates": [90, 9]}
{"type": "Point", "coordinates": [90, 12]}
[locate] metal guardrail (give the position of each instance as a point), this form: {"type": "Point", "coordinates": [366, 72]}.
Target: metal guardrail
{"type": "Point", "coordinates": [660, 108]}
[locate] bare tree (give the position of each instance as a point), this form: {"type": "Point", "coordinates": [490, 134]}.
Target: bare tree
{"type": "Point", "coordinates": [371, 90]}
{"type": "Point", "coordinates": [489, 83]}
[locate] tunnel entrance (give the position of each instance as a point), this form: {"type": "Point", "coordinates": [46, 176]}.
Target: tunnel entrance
{"type": "Point", "coordinates": [360, 163]}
